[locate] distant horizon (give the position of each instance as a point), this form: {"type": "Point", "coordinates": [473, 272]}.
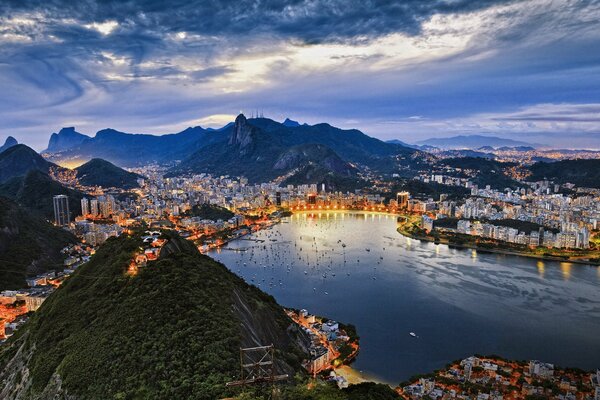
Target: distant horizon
{"type": "Point", "coordinates": [40, 147]}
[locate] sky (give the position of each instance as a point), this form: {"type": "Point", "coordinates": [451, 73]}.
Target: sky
{"type": "Point", "coordinates": [408, 70]}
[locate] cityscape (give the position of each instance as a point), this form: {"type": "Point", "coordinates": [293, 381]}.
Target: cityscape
{"type": "Point", "coordinates": [406, 209]}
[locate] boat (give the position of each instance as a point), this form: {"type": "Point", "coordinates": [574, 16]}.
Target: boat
{"type": "Point", "coordinates": [413, 334]}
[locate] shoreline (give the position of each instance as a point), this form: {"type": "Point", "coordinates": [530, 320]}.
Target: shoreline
{"type": "Point", "coordinates": [499, 251]}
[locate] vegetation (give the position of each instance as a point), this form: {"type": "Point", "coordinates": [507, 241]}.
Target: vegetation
{"type": "Point", "coordinates": [583, 173]}
{"type": "Point", "coordinates": [424, 190]}
{"type": "Point", "coordinates": [35, 191]}
{"type": "Point", "coordinates": [28, 245]}
{"type": "Point", "coordinates": [172, 331]}
{"type": "Point", "coordinates": [316, 390]}
{"type": "Point", "coordinates": [17, 160]}
{"type": "Point", "coordinates": [209, 211]}
{"type": "Point", "coordinates": [483, 171]}
{"type": "Point", "coordinates": [99, 172]}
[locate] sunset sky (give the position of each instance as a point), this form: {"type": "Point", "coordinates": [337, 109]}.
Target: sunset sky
{"type": "Point", "coordinates": [408, 70]}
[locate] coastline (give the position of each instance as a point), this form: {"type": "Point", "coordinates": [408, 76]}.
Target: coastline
{"type": "Point", "coordinates": [517, 253]}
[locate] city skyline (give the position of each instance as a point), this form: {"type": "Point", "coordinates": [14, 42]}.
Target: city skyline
{"type": "Point", "coordinates": [525, 70]}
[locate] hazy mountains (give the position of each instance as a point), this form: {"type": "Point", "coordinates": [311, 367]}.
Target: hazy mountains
{"type": "Point", "coordinates": [24, 178]}
{"type": "Point", "coordinates": [258, 148]}
{"type": "Point", "coordinates": [262, 149]}
{"type": "Point", "coordinates": [65, 139]}
{"type": "Point", "coordinates": [471, 142]}
{"type": "Point", "coordinates": [126, 149]}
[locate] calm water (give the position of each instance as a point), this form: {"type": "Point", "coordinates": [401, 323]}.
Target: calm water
{"type": "Point", "coordinates": [458, 302]}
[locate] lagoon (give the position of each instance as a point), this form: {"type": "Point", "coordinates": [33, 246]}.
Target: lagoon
{"type": "Point", "coordinates": [354, 267]}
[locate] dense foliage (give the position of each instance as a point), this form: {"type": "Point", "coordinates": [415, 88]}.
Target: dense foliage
{"type": "Point", "coordinates": [35, 191]}
{"type": "Point", "coordinates": [209, 211]}
{"type": "Point", "coordinates": [583, 173]}
{"type": "Point", "coordinates": [488, 172]}
{"type": "Point", "coordinates": [18, 160]}
{"type": "Point", "coordinates": [98, 172]}
{"type": "Point", "coordinates": [28, 245]}
{"type": "Point", "coordinates": [169, 332]}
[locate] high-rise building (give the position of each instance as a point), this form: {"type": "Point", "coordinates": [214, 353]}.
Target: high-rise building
{"type": "Point", "coordinates": [85, 206]}
{"type": "Point", "coordinates": [62, 215]}
{"type": "Point", "coordinates": [278, 199]}
{"type": "Point", "coordinates": [402, 199]}
{"type": "Point", "coordinates": [94, 207]}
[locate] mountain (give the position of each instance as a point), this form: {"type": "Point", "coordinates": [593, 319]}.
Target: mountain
{"type": "Point", "coordinates": [173, 330]}
{"type": "Point", "coordinates": [583, 173]}
{"type": "Point", "coordinates": [471, 142]}
{"type": "Point", "coordinates": [98, 172]}
{"type": "Point", "coordinates": [29, 245]}
{"type": "Point", "coordinates": [8, 143]}
{"type": "Point", "coordinates": [465, 153]}
{"type": "Point", "coordinates": [262, 149]}
{"type": "Point", "coordinates": [127, 149]}
{"type": "Point", "coordinates": [20, 159]}
{"type": "Point", "coordinates": [65, 139]}
{"type": "Point", "coordinates": [290, 123]}
{"type": "Point", "coordinates": [35, 191]}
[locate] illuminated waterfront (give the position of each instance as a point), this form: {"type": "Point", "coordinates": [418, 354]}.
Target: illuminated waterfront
{"type": "Point", "coordinates": [458, 302]}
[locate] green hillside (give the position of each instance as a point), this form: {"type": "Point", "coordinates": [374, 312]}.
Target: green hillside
{"type": "Point", "coordinates": [173, 331]}
{"type": "Point", "coordinates": [35, 191]}
{"type": "Point", "coordinates": [98, 172]}
{"type": "Point", "coordinates": [583, 173]}
{"type": "Point", "coordinates": [18, 160]}
{"type": "Point", "coordinates": [28, 245]}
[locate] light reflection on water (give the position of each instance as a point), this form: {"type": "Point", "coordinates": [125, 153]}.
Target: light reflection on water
{"type": "Point", "coordinates": [459, 302]}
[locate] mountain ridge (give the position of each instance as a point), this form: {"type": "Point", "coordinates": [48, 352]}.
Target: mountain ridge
{"type": "Point", "coordinates": [472, 142]}
{"type": "Point", "coordinates": [262, 149]}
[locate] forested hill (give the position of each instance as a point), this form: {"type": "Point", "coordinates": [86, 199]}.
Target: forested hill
{"type": "Point", "coordinates": [173, 331]}
{"type": "Point", "coordinates": [583, 173]}
{"type": "Point", "coordinates": [29, 245]}
{"type": "Point", "coordinates": [99, 172]}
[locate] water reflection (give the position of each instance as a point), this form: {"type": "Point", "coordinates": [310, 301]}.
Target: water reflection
{"type": "Point", "coordinates": [358, 269]}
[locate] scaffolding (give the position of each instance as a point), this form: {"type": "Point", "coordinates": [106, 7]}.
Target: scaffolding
{"type": "Point", "coordinates": [257, 365]}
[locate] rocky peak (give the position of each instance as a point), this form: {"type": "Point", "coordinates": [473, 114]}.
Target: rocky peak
{"type": "Point", "coordinates": [10, 142]}
{"type": "Point", "coordinates": [65, 139]}
{"type": "Point", "coordinates": [241, 134]}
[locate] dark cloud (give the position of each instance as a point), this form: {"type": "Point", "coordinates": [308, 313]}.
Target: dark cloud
{"type": "Point", "coordinates": [63, 63]}
{"type": "Point", "coordinates": [311, 21]}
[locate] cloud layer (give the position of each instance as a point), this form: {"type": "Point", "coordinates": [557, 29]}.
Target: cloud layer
{"type": "Point", "coordinates": [405, 69]}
